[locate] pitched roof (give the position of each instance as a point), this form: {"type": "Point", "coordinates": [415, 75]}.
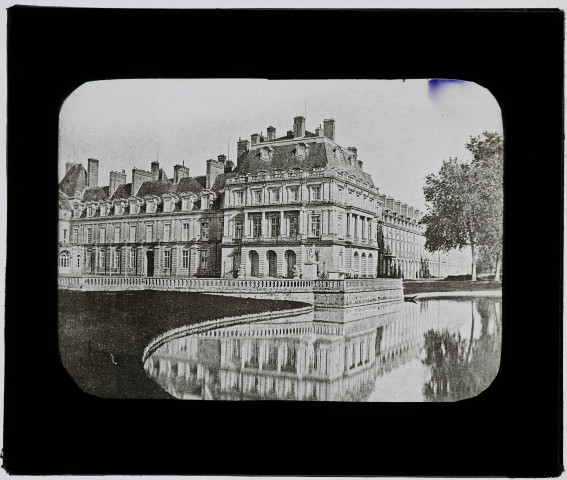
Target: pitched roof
{"type": "Point", "coordinates": [322, 153]}
{"type": "Point", "coordinates": [189, 185]}
{"type": "Point", "coordinates": [75, 180]}
{"type": "Point", "coordinates": [123, 191]}
{"type": "Point", "coordinates": [156, 187]}
{"type": "Point", "coordinates": [202, 179]}
{"type": "Point", "coordinates": [95, 194]}
{"type": "Point", "coordinates": [64, 201]}
{"type": "Point", "coordinates": [220, 180]}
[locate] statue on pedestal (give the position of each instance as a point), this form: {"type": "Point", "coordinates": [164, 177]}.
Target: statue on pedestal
{"type": "Point", "coordinates": [295, 271]}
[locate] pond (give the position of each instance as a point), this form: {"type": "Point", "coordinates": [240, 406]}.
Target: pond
{"type": "Point", "coordinates": [431, 350]}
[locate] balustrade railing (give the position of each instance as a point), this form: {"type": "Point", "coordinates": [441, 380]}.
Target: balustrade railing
{"type": "Point", "coordinates": [233, 284]}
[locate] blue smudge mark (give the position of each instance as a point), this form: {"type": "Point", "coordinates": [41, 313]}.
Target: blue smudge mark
{"type": "Point", "coordinates": [437, 85]}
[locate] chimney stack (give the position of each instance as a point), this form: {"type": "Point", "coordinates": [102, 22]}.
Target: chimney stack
{"type": "Point", "coordinates": [92, 178]}
{"type": "Point", "coordinates": [271, 134]}
{"type": "Point", "coordinates": [329, 128]}
{"type": "Point", "coordinates": [179, 172]}
{"type": "Point", "coordinates": [139, 177]}
{"type": "Point", "coordinates": [242, 146]}
{"type": "Point", "coordinates": [155, 170]}
{"type": "Point", "coordinates": [214, 168]}
{"type": "Point", "coordinates": [228, 166]}
{"type": "Point", "coordinates": [298, 127]}
{"type": "Point", "coordinates": [255, 138]}
{"type": "Point", "coordinates": [222, 158]}
{"type": "Point", "coordinates": [116, 179]}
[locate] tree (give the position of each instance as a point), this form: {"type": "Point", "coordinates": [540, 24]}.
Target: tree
{"type": "Point", "coordinates": [465, 200]}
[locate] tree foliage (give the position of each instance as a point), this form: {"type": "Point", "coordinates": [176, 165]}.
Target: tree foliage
{"type": "Point", "coordinates": [465, 200]}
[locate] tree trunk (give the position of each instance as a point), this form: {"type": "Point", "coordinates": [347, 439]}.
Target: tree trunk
{"type": "Point", "coordinates": [497, 274]}
{"type": "Point", "coordinates": [473, 267]}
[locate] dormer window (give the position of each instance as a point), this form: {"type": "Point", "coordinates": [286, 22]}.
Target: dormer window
{"type": "Point", "coordinates": [167, 204]}
{"type": "Point", "coordinates": [134, 208]}
{"type": "Point", "coordinates": [151, 206]}
{"type": "Point", "coordinates": [118, 209]}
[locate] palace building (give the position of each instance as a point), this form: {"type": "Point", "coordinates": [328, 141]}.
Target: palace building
{"type": "Point", "coordinates": [293, 206]}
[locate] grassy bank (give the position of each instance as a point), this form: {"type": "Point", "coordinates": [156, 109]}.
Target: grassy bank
{"type": "Point", "coordinates": [433, 286]}
{"type": "Point", "coordinates": [102, 335]}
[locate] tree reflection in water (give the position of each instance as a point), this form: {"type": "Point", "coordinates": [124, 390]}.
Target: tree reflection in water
{"type": "Point", "coordinates": [461, 368]}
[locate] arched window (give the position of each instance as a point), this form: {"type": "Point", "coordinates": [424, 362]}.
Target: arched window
{"type": "Point", "coordinates": [64, 259]}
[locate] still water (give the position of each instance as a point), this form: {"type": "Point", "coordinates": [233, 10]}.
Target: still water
{"type": "Point", "coordinates": [432, 350]}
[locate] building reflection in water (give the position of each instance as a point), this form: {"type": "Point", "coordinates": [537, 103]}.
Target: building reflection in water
{"type": "Point", "coordinates": [338, 362]}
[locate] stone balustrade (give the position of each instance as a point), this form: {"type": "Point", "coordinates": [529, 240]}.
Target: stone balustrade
{"type": "Point", "coordinates": [325, 295]}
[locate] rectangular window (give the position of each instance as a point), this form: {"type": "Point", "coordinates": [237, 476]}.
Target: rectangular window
{"type": "Point", "coordinates": [75, 235]}
{"type": "Point", "coordinates": [275, 196]}
{"type": "Point", "coordinates": [238, 228]}
{"type": "Point", "coordinates": [185, 232]}
{"type": "Point", "coordinates": [116, 234]}
{"type": "Point", "coordinates": [256, 226]}
{"type": "Point", "coordinates": [185, 258]}
{"type": "Point", "coordinates": [131, 259]}
{"type": "Point", "coordinates": [239, 197]}
{"type": "Point", "coordinates": [78, 261]}
{"type": "Point", "coordinates": [257, 196]}
{"type": "Point", "coordinates": [184, 204]}
{"type": "Point", "coordinates": [316, 192]}
{"type": "Point", "coordinates": [166, 232]}
{"type": "Point", "coordinates": [116, 259]}
{"type": "Point", "coordinates": [294, 194]}
{"type": "Point", "coordinates": [88, 259]}
{"type": "Point", "coordinates": [132, 233]}
{"type": "Point", "coordinates": [149, 233]}
{"type": "Point", "coordinates": [315, 225]}
{"type": "Point", "coordinates": [102, 235]}
{"type": "Point", "coordinates": [167, 258]}
{"type": "Point", "coordinates": [293, 226]}
{"type": "Point", "coordinates": [204, 259]}
{"type": "Point", "coordinates": [204, 230]}
{"type": "Point", "coordinates": [89, 235]}
{"type": "Point", "coordinates": [64, 234]}
{"type": "Point", "coordinates": [274, 226]}
{"type": "Point", "coordinates": [102, 259]}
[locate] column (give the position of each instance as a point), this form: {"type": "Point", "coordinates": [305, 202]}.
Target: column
{"type": "Point", "coordinates": [246, 225]}
{"type": "Point", "coordinates": [283, 231]}
{"type": "Point", "coordinates": [301, 222]}
{"type": "Point", "coordinates": [264, 229]}
{"type": "Point", "coordinates": [324, 222]}
{"type": "Point", "coordinates": [226, 226]}
{"type": "Point", "coordinates": [139, 262]}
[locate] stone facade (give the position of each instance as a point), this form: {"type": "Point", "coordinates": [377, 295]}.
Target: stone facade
{"type": "Point", "coordinates": [295, 206]}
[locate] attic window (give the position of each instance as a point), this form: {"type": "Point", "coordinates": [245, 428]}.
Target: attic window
{"type": "Point", "coordinates": [151, 206]}
{"type": "Point", "coordinates": [185, 204]}
{"type": "Point", "coordinates": [118, 209]}
{"type": "Point", "coordinates": [103, 210]}
{"type": "Point", "coordinates": [134, 208]}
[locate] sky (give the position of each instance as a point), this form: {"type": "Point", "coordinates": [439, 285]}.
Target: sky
{"type": "Point", "coordinates": [403, 129]}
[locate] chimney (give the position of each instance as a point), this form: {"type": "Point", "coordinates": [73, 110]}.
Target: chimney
{"type": "Point", "coordinates": [214, 168]}
{"type": "Point", "coordinates": [242, 146]}
{"type": "Point", "coordinates": [155, 170]}
{"type": "Point", "coordinates": [68, 167]}
{"type": "Point", "coordinates": [255, 138]}
{"type": "Point", "coordinates": [298, 127]}
{"type": "Point", "coordinates": [116, 179]}
{"type": "Point", "coordinates": [228, 166]}
{"type": "Point", "coordinates": [329, 128]}
{"type": "Point", "coordinates": [290, 134]}
{"type": "Point", "coordinates": [92, 179]}
{"type": "Point", "coordinates": [360, 164]}
{"type": "Point", "coordinates": [221, 158]}
{"type": "Point", "coordinates": [271, 134]}
{"type": "Point", "coordinates": [139, 177]}
{"type": "Point", "coordinates": [319, 131]}
{"type": "Point", "coordinates": [179, 172]}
